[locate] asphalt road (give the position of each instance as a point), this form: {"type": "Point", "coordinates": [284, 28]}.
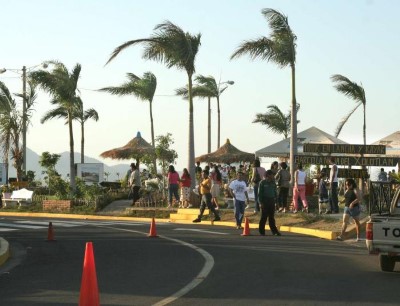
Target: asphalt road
{"type": "Point", "coordinates": [187, 264]}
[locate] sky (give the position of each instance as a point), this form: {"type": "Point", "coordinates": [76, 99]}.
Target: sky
{"type": "Point", "coordinates": [357, 39]}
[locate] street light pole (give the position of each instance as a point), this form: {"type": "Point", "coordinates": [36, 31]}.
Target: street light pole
{"type": "Point", "coordinates": [220, 91]}
{"type": "Point", "coordinates": [24, 119]}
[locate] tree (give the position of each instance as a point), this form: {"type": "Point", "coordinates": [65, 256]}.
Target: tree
{"type": "Point", "coordinates": [353, 91]}
{"type": "Point", "coordinates": [200, 91]}
{"type": "Point", "coordinates": [275, 120]}
{"type": "Point", "coordinates": [62, 86]}
{"type": "Point", "coordinates": [142, 88]}
{"type": "Point", "coordinates": [280, 49]}
{"type": "Point", "coordinates": [175, 48]}
{"type": "Point", "coordinates": [82, 116]}
{"type": "Point", "coordinates": [78, 114]}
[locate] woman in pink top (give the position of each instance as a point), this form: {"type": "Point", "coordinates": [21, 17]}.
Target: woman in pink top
{"type": "Point", "coordinates": [299, 188]}
{"type": "Point", "coordinates": [173, 185]}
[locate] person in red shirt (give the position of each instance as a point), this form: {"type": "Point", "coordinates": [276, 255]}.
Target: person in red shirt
{"type": "Point", "coordinates": [185, 188]}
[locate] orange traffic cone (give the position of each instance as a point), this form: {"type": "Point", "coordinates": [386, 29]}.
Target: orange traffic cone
{"type": "Point", "coordinates": [246, 230]}
{"type": "Point", "coordinates": [50, 233]}
{"type": "Point", "coordinates": [153, 231]}
{"type": "Point", "coordinates": [89, 295]}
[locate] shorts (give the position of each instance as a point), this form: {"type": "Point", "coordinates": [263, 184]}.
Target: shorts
{"type": "Point", "coordinates": [215, 191]}
{"type": "Point", "coordinates": [352, 212]}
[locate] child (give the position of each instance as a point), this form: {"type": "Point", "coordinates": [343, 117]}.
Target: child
{"type": "Point", "coordinates": [351, 208]}
{"type": "Point", "coordinates": [323, 197]}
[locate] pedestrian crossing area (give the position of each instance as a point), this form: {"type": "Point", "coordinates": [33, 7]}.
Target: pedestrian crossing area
{"type": "Point", "coordinates": [14, 225]}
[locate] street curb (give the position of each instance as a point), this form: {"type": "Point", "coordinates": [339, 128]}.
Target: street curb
{"type": "Point", "coordinates": [4, 251]}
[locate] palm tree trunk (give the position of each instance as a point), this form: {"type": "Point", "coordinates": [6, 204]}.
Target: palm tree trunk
{"type": "Point", "coordinates": [293, 124]}
{"type": "Point", "coordinates": [191, 165]}
{"type": "Point", "coordinates": [209, 126]}
{"type": "Point", "coordinates": [152, 135]}
{"type": "Point", "coordinates": [364, 126]}
{"type": "Point", "coordinates": [71, 155]}
{"type": "Point", "coordinates": [82, 143]}
{"type": "Point", "coordinates": [219, 124]}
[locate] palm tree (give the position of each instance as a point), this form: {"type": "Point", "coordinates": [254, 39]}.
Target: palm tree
{"type": "Point", "coordinates": [142, 88]}
{"type": "Point", "coordinates": [82, 116]}
{"type": "Point", "coordinates": [353, 91]}
{"type": "Point", "coordinates": [280, 49]}
{"type": "Point", "coordinates": [200, 91]}
{"type": "Point", "coordinates": [175, 48]}
{"type": "Point", "coordinates": [62, 86]}
{"type": "Point", "coordinates": [78, 114]}
{"type": "Point", "coordinates": [275, 120]}
{"type": "Point", "coordinates": [8, 124]}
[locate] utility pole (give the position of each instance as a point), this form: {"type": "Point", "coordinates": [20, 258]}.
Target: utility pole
{"type": "Point", "coordinates": [24, 119]}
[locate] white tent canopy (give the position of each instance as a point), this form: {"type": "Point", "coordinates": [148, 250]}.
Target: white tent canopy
{"type": "Point", "coordinates": [311, 135]}
{"type": "Point", "coordinates": [392, 143]}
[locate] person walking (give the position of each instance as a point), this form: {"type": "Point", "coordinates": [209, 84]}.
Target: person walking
{"type": "Point", "coordinates": [267, 195]}
{"type": "Point", "coordinates": [255, 179]}
{"type": "Point", "coordinates": [238, 190]}
{"type": "Point", "coordinates": [333, 194]}
{"type": "Point", "coordinates": [205, 191]}
{"type": "Point", "coordinates": [135, 183]}
{"type": "Point", "coordinates": [323, 198]}
{"type": "Point", "coordinates": [185, 188]}
{"type": "Point", "coordinates": [299, 188]}
{"type": "Point", "coordinates": [351, 208]}
{"type": "Point", "coordinates": [173, 185]}
{"type": "Point", "coordinates": [283, 178]}
{"type": "Point", "coordinates": [216, 181]}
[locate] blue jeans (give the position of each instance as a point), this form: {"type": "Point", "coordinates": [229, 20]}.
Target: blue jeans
{"type": "Point", "coordinates": [239, 211]}
{"type": "Point", "coordinates": [333, 197]}
{"type": "Point", "coordinates": [173, 191]}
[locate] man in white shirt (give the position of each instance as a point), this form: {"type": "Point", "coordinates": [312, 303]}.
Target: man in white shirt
{"type": "Point", "coordinates": [238, 189]}
{"type": "Point", "coordinates": [333, 194]}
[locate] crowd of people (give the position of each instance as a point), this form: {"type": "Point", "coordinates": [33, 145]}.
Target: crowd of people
{"type": "Point", "coordinates": [271, 191]}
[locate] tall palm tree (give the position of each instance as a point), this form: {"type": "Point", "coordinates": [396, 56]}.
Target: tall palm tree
{"type": "Point", "coordinates": [7, 124]}
{"type": "Point", "coordinates": [275, 120]}
{"type": "Point", "coordinates": [353, 91]}
{"type": "Point", "coordinates": [200, 91]}
{"type": "Point", "coordinates": [78, 114]}
{"type": "Point", "coordinates": [62, 86]}
{"type": "Point", "coordinates": [280, 49]}
{"type": "Point", "coordinates": [142, 88]}
{"type": "Point", "coordinates": [175, 48]}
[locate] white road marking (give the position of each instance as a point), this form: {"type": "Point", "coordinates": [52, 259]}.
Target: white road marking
{"type": "Point", "coordinates": [199, 230]}
{"type": "Point", "coordinates": [13, 225]}
{"type": "Point", "coordinates": [208, 265]}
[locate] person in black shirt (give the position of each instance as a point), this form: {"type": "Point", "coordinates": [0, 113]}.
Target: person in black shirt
{"type": "Point", "coordinates": [351, 208]}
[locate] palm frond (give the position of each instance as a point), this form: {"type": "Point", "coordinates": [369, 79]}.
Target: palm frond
{"type": "Point", "coordinates": [344, 120]}
{"type": "Point", "coordinates": [348, 88]}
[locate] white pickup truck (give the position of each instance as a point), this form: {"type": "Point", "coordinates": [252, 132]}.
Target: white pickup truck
{"type": "Point", "coordinates": [383, 235]}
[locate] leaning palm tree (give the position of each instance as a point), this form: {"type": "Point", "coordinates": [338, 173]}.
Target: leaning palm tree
{"type": "Point", "coordinates": [62, 86]}
{"type": "Point", "coordinates": [142, 88]}
{"type": "Point", "coordinates": [175, 48]}
{"type": "Point", "coordinates": [353, 91]}
{"type": "Point", "coordinates": [280, 49]}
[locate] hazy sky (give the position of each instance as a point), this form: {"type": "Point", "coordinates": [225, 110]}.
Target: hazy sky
{"type": "Point", "coordinates": [358, 39]}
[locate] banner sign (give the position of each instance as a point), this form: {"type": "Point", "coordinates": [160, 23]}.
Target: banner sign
{"type": "Point", "coordinates": [343, 148]}
{"type": "Point", "coordinates": [348, 160]}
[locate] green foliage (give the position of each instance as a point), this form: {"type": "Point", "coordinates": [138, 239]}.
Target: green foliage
{"type": "Point", "coordinates": [164, 154]}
